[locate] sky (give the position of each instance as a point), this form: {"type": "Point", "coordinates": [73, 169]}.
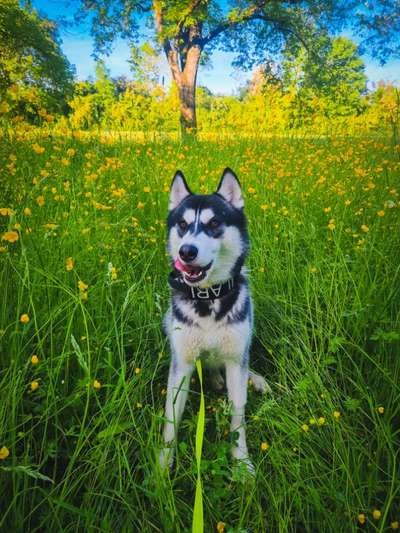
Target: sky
{"type": "Point", "coordinates": [221, 78]}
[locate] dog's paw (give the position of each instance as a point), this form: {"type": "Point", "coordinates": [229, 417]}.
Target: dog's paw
{"type": "Point", "coordinates": [166, 458]}
{"type": "Point", "coordinates": [259, 383]}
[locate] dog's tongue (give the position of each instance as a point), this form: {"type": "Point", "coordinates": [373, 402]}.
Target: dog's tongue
{"type": "Point", "coordinates": [185, 268]}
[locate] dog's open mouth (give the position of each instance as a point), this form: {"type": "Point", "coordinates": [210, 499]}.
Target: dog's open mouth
{"type": "Point", "coordinates": [192, 273]}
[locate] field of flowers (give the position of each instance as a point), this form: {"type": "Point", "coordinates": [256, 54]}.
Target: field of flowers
{"type": "Point", "coordinates": [83, 361]}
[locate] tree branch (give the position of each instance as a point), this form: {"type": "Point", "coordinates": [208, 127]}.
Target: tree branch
{"type": "Point", "coordinates": [246, 15]}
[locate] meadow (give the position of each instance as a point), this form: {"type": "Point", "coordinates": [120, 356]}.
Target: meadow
{"type": "Point", "coordinates": [83, 361]}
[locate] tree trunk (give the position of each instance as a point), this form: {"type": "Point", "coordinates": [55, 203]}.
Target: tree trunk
{"type": "Point", "coordinates": [187, 98]}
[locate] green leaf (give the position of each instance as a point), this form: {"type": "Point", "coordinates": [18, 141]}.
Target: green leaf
{"type": "Point", "coordinates": [79, 355]}
{"type": "Point", "coordinates": [27, 470]}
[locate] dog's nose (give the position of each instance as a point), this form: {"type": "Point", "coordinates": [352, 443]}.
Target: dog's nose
{"type": "Point", "coordinates": [188, 252]}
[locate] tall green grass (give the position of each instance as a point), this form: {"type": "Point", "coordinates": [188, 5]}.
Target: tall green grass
{"type": "Point", "coordinates": [324, 269]}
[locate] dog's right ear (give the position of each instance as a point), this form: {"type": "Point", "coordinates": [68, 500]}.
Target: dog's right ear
{"type": "Point", "coordinates": [179, 190]}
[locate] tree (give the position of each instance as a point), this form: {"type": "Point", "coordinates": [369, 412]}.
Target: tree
{"type": "Point", "coordinates": [34, 73]}
{"type": "Point", "coordinates": [255, 29]}
{"type": "Point", "coordinates": [334, 72]}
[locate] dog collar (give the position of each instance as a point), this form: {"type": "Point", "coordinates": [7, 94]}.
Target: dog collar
{"type": "Point", "coordinates": [214, 292]}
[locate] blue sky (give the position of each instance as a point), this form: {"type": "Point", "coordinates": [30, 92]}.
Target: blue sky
{"type": "Point", "coordinates": [221, 78]}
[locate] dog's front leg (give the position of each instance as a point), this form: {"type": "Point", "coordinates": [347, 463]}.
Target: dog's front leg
{"type": "Point", "coordinates": [236, 383]}
{"type": "Point", "coordinates": [177, 392]}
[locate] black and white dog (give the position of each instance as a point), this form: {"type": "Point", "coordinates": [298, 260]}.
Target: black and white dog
{"type": "Point", "coordinates": [211, 311]}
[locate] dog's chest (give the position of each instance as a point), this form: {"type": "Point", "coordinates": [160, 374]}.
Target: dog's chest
{"type": "Point", "coordinates": [203, 331]}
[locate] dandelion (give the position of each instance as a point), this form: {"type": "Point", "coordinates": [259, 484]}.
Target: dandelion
{"type": "Point", "coordinates": [264, 446]}
{"type": "Point", "coordinates": [381, 410]}
{"type": "Point", "coordinates": [361, 518]}
{"type": "Point", "coordinates": [10, 236]}
{"type": "Point", "coordinates": [96, 384]}
{"type": "Point", "coordinates": [34, 359]}
{"type": "Point", "coordinates": [365, 228]}
{"type": "Point", "coordinates": [376, 514]}
{"type": "Point", "coordinates": [4, 452]}
{"type": "Point", "coordinates": [69, 264]}
{"type": "Point", "coordinates": [305, 428]}
{"type": "Point", "coordinates": [34, 385]}
{"type": "Point", "coordinates": [24, 318]}
{"type": "Point", "coordinates": [221, 527]}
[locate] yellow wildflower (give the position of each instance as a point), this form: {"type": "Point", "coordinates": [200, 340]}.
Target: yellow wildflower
{"type": "Point", "coordinates": [331, 224]}
{"type": "Point", "coordinates": [37, 148]}
{"type": "Point", "coordinates": [221, 527]}
{"type": "Point", "coordinates": [138, 370]}
{"type": "Point", "coordinates": [97, 384]}
{"type": "Point", "coordinates": [4, 452]}
{"type": "Point", "coordinates": [365, 228]}
{"type": "Point", "coordinates": [40, 201]}
{"type": "Point", "coordinates": [146, 189]}
{"type": "Point", "coordinates": [321, 421]}
{"type": "Point", "coordinates": [264, 446]}
{"type": "Point", "coordinates": [376, 514]}
{"type": "Point", "coordinates": [381, 213]}
{"type": "Point", "coordinates": [27, 211]}
{"type": "Point", "coordinates": [6, 211]}
{"type": "Point", "coordinates": [305, 427]}
{"type": "Point", "coordinates": [381, 410]}
{"type": "Point", "coordinates": [82, 286]}
{"type": "Point", "coordinates": [251, 190]}
{"type": "Point", "coordinates": [34, 359]}
{"type": "Point", "coordinates": [10, 236]}
{"type": "Point", "coordinates": [361, 518]}
{"type": "Point", "coordinates": [394, 525]}
{"type": "Point", "coordinates": [337, 414]}
{"type": "Point", "coordinates": [69, 264]}
{"type": "Point", "coordinates": [24, 318]}
{"type": "Point", "coordinates": [34, 385]}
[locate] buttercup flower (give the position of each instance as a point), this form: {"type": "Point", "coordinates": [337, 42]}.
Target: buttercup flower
{"type": "Point", "coordinates": [4, 452]}
{"type": "Point", "coordinates": [10, 236]}
{"type": "Point", "coordinates": [24, 318]}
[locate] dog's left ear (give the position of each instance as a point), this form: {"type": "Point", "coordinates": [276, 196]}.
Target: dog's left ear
{"type": "Point", "coordinates": [179, 190]}
{"type": "Point", "coordinates": [229, 188]}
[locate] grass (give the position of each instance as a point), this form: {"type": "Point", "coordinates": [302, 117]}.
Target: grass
{"type": "Point", "coordinates": [324, 267]}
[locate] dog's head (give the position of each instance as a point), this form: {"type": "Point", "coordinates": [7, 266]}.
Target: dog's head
{"type": "Point", "coordinates": [207, 235]}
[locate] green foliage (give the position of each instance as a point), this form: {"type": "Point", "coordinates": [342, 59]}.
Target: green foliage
{"type": "Point", "coordinates": [35, 77]}
{"type": "Point", "coordinates": [324, 269]}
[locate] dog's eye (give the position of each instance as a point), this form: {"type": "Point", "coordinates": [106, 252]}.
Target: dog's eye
{"type": "Point", "coordinates": [182, 224]}
{"type": "Point", "coordinates": [214, 223]}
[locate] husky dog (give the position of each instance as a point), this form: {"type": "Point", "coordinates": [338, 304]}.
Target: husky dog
{"type": "Point", "coordinates": [211, 311]}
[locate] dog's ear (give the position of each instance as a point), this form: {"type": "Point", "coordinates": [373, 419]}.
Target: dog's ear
{"type": "Point", "coordinates": [179, 190]}
{"type": "Point", "coordinates": [229, 188]}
